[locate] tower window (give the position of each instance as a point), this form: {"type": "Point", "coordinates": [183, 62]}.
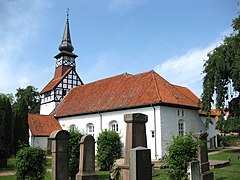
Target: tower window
{"type": "Point", "coordinates": [181, 127]}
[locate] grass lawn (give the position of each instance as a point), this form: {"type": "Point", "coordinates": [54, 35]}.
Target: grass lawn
{"type": "Point", "coordinates": [226, 173]}
{"type": "Point", "coordinates": [230, 172]}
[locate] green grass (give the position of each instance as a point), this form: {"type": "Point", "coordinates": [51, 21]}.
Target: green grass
{"type": "Point", "coordinates": [226, 173]}
{"type": "Point", "coordinates": [230, 172]}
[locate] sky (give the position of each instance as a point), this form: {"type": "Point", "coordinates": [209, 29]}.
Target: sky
{"type": "Point", "coordinates": [111, 37]}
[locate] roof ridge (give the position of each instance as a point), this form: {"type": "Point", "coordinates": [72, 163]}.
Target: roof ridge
{"type": "Point", "coordinates": [155, 84]}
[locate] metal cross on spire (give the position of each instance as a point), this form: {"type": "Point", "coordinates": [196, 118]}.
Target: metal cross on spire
{"type": "Point", "coordinates": [67, 13]}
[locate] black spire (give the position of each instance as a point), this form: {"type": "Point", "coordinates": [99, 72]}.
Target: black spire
{"type": "Point", "coordinates": [66, 44]}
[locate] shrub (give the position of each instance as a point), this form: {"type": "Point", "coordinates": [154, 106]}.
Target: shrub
{"type": "Point", "coordinates": [74, 152]}
{"type": "Point", "coordinates": [181, 151]}
{"type": "Point", "coordinates": [30, 163]}
{"type": "Point", "coordinates": [230, 140]}
{"type": "Point", "coordinates": [108, 149]}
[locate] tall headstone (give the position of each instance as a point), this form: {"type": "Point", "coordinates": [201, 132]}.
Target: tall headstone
{"type": "Point", "coordinates": [140, 167]}
{"type": "Point", "coordinates": [194, 170]}
{"type": "Point", "coordinates": [135, 136]}
{"type": "Point", "coordinates": [60, 154]}
{"type": "Point", "coordinates": [87, 159]}
{"type": "Point", "coordinates": [205, 172]}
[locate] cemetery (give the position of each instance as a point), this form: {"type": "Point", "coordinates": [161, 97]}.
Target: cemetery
{"type": "Point", "coordinates": [137, 164]}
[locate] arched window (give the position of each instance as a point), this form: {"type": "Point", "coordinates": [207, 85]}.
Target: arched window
{"type": "Point", "coordinates": [181, 128]}
{"type": "Point", "coordinates": [90, 129]}
{"type": "Point", "coordinates": [73, 127]}
{"type": "Point", "coordinates": [113, 126]}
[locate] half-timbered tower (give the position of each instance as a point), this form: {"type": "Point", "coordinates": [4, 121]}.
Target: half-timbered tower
{"type": "Point", "coordinates": [65, 77]}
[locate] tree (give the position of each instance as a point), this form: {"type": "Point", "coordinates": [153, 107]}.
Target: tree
{"type": "Point", "coordinates": [21, 128]}
{"type": "Point", "coordinates": [32, 98]}
{"type": "Point", "coordinates": [5, 129]}
{"type": "Point", "coordinates": [222, 69]}
{"type": "Point", "coordinates": [108, 149]}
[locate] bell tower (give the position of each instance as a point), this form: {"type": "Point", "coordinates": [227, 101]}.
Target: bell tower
{"type": "Point", "coordinates": [65, 76]}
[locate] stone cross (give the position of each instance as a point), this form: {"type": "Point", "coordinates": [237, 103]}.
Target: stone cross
{"type": "Point", "coordinates": [87, 159]}
{"type": "Point", "coordinates": [60, 154]}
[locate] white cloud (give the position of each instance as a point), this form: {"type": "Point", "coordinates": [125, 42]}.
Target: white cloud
{"type": "Point", "coordinates": [186, 70]}
{"type": "Point", "coordinates": [122, 6]}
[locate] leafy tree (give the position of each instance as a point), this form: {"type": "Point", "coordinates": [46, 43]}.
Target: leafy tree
{"type": "Point", "coordinates": [108, 149]}
{"type": "Point", "coordinates": [32, 98]}
{"type": "Point", "coordinates": [74, 152]}
{"type": "Point", "coordinates": [232, 124]}
{"type": "Point", "coordinates": [21, 128]}
{"type": "Point", "coordinates": [5, 129]}
{"type": "Point", "coordinates": [181, 151]}
{"type": "Point", "coordinates": [31, 163]}
{"type": "Point", "coordinates": [222, 69]}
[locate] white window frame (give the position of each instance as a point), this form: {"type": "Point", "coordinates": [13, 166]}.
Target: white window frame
{"type": "Point", "coordinates": [113, 126]}
{"type": "Point", "coordinates": [181, 127]}
{"type": "Point", "coordinates": [90, 129]}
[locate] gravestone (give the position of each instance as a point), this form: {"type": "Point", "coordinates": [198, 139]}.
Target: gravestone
{"type": "Point", "coordinates": [87, 159]}
{"type": "Point", "coordinates": [140, 167]}
{"type": "Point", "coordinates": [135, 136]}
{"type": "Point", "coordinates": [205, 172]}
{"type": "Point", "coordinates": [194, 170]}
{"type": "Point", "coordinates": [60, 154]}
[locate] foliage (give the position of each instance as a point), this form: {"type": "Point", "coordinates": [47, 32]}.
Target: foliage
{"type": "Point", "coordinates": [232, 124]}
{"type": "Point", "coordinates": [21, 128]}
{"type": "Point", "coordinates": [181, 151]}
{"type": "Point", "coordinates": [5, 129]}
{"type": "Point", "coordinates": [74, 152]}
{"type": "Point", "coordinates": [229, 140]}
{"type": "Point", "coordinates": [32, 98]}
{"type": "Point", "coordinates": [31, 163]}
{"type": "Point", "coordinates": [221, 69]}
{"type": "Point", "coordinates": [108, 149]}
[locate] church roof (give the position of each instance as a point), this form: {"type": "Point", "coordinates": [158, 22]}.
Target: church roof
{"type": "Point", "coordinates": [55, 81]}
{"type": "Point", "coordinates": [42, 125]}
{"type": "Point", "coordinates": [122, 92]}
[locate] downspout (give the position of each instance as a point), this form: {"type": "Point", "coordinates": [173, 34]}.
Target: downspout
{"type": "Point", "coordinates": [155, 133]}
{"type": "Point", "coordinates": [100, 120]}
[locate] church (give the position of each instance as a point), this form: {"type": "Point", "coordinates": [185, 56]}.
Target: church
{"type": "Point", "coordinates": [66, 102]}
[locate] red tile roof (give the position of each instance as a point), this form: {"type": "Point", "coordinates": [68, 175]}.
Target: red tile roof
{"type": "Point", "coordinates": [122, 91]}
{"type": "Point", "coordinates": [42, 125]}
{"type": "Point", "coordinates": [55, 81]}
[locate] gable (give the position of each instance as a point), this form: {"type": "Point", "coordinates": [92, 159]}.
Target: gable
{"type": "Point", "coordinates": [119, 92]}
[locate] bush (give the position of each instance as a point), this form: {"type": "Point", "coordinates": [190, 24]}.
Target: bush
{"type": "Point", "coordinates": [30, 163]}
{"type": "Point", "coordinates": [108, 149]}
{"type": "Point", "coordinates": [74, 152]}
{"type": "Point", "coordinates": [230, 140]}
{"type": "Point", "coordinates": [181, 151]}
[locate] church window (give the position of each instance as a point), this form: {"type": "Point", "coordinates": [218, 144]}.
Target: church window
{"type": "Point", "coordinates": [73, 127]}
{"type": "Point", "coordinates": [90, 129]}
{"type": "Point", "coordinates": [181, 127]}
{"type": "Point", "coordinates": [113, 126]}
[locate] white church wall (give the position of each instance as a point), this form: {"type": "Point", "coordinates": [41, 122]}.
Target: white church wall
{"type": "Point", "coordinates": [40, 142]}
{"type": "Point", "coordinates": [47, 108]}
{"type": "Point", "coordinates": [164, 126]}
{"type": "Point", "coordinates": [170, 118]}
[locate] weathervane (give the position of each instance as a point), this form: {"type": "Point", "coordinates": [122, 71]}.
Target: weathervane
{"type": "Point", "coordinates": [67, 12]}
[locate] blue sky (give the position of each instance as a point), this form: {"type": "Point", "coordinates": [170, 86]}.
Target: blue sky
{"type": "Point", "coordinates": [111, 37]}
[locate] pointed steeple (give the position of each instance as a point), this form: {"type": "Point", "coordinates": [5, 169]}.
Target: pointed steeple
{"type": "Point", "coordinates": [66, 44]}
